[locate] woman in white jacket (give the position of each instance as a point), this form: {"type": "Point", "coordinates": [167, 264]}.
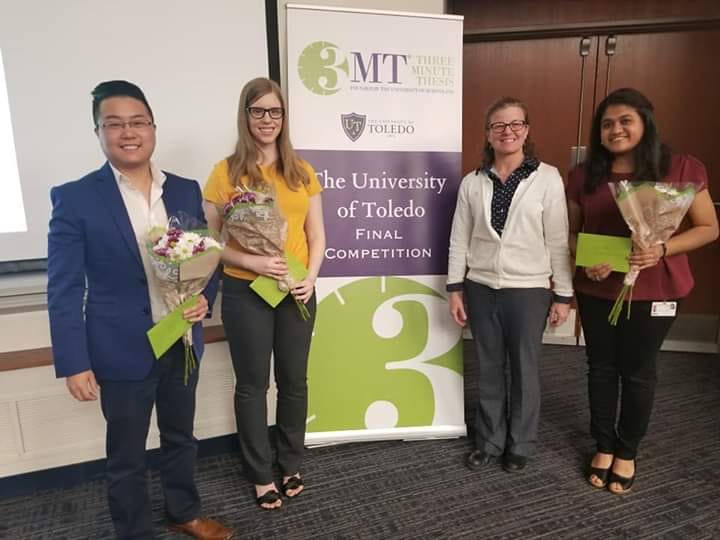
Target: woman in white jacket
{"type": "Point", "coordinates": [509, 267]}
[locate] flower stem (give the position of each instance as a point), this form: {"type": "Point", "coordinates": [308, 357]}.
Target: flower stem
{"type": "Point", "coordinates": [302, 308]}
{"type": "Point", "coordinates": [618, 305]}
{"type": "Point", "coordinates": [190, 363]}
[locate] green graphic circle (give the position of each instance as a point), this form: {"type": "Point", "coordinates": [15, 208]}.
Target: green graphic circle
{"type": "Point", "coordinates": [319, 67]}
{"type": "Point", "coordinates": [347, 370]}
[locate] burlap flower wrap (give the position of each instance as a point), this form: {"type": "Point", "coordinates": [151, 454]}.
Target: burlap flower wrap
{"type": "Point", "coordinates": [253, 219]}
{"type": "Point", "coordinates": [653, 212]}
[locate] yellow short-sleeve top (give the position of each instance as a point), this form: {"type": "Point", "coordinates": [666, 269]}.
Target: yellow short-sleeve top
{"type": "Point", "coordinates": [293, 206]}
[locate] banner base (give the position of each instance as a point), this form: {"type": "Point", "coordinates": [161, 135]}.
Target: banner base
{"type": "Point", "coordinates": [323, 438]}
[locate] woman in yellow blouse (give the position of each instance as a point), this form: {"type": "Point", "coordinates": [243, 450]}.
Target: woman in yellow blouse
{"type": "Point", "coordinates": [264, 158]}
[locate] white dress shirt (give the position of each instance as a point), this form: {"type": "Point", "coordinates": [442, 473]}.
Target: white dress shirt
{"type": "Point", "coordinates": [144, 216]}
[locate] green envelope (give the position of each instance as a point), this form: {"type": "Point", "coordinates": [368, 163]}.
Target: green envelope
{"type": "Point", "coordinates": [594, 249]}
{"type": "Point", "coordinates": [267, 288]}
{"type": "Point", "coordinates": [165, 333]}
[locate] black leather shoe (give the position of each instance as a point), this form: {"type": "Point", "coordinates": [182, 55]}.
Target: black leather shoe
{"type": "Point", "coordinates": [478, 459]}
{"type": "Point", "coordinates": [513, 462]}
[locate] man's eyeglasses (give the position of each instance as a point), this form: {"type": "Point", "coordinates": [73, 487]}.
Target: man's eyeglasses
{"type": "Point", "coordinates": [258, 112]}
{"type": "Point", "coordinates": [515, 126]}
{"type": "Point", "coordinates": [117, 126]}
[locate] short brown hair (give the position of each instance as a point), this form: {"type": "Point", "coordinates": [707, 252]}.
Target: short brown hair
{"type": "Point", "coordinates": [502, 103]}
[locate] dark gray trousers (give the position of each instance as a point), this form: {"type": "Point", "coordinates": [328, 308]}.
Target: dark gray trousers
{"type": "Point", "coordinates": [507, 327]}
{"type": "Point", "coordinates": [254, 330]}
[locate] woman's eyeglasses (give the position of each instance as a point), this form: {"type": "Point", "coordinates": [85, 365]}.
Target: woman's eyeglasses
{"type": "Point", "coordinates": [515, 126]}
{"type": "Point", "coordinates": [274, 112]}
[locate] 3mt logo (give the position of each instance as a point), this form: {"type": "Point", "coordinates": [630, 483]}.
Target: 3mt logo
{"type": "Point", "coordinates": [384, 354]}
{"type": "Point", "coordinates": [322, 66]}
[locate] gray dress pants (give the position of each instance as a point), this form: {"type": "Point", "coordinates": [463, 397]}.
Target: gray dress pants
{"type": "Point", "coordinates": [507, 327]}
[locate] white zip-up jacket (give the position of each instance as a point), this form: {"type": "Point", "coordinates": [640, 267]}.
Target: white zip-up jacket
{"type": "Point", "coordinates": [533, 247]}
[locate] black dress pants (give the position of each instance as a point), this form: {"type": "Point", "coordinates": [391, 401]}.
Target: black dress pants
{"type": "Point", "coordinates": [127, 406]}
{"type": "Point", "coordinates": [622, 362]}
{"type": "Point", "coordinates": [255, 331]}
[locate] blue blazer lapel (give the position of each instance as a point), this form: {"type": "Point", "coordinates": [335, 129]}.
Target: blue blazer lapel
{"type": "Point", "coordinates": [110, 195]}
{"type": "Point", "coordinates": [172, 198]}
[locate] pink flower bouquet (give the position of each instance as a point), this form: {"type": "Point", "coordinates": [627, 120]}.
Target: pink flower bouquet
{"type": "Point", "coordinates": [653, 211]}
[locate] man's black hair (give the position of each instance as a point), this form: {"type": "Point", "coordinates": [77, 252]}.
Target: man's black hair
{"type": "Point", "coordinates": [109, 89]}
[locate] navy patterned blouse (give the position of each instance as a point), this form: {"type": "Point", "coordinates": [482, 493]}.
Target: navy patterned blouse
{"type": "Point", "coordinates": [503, 192]}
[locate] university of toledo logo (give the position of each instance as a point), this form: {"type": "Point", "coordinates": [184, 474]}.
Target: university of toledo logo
{"type": "Point", "coordinates": [320, 66]}
{"type": "Point", "coordinates": [353, 125]}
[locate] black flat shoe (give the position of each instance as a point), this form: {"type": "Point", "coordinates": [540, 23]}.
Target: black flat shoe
{"type": "Point", "coordinates": [514, 463]}
{"type": "Point", "coordinates": [269, 497]}
{"type": "Point", "coordinates": [293, 483]}
{"type": "Point", "coordinates": [478, 459]}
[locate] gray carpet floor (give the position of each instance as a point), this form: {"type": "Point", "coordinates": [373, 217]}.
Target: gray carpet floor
{"type": "Point", "coordinates": [422, 490]}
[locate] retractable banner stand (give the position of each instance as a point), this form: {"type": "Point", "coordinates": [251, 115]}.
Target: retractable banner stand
{"type": "Point", "coordinates": [375, 106]}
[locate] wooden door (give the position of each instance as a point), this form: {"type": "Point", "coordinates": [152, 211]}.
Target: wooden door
{"type": "Point", "coordinates": [546, 74]}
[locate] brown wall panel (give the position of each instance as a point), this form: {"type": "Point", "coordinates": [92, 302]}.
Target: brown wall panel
{"type": "Point", "coordinates": [492, 14]}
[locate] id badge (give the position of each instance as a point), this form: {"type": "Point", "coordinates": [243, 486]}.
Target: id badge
{"type": "Point", "coordinates": [663, 309]}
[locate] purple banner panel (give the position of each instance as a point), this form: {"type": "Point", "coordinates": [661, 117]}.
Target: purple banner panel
{"type": "Point", "coordinates": [386, 213]}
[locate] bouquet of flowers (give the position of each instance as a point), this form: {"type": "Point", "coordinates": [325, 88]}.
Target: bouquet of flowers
{"type": "Point", "coordinates": [184, 256]}
{"type": "Point", "coordinates": [254, 221]}
{"type": "Point", "coordinates": [653, 212]}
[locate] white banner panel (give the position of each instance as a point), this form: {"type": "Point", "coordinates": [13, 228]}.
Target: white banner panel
{"type": "Point", "coordinates": [375, 106]}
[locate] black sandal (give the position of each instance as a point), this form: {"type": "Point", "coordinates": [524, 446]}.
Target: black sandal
{"type": "Point", "coordinates": [269, 497]}
{"type": "Point", "coordinates": [601, 474]}
{"type": "Point", "coordinates": [293, 483]}
{"type": "Point", "coordinates": [625, 482]}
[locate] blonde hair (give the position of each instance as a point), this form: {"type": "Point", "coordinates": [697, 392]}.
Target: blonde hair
{"type": "Point", "coordinates": [244, 160]}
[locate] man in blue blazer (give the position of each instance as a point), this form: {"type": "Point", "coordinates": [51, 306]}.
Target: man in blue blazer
{"type": "Point", "coordinates": [102, 299]}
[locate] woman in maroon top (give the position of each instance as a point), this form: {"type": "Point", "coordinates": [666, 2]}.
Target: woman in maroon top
{"type": "Point", "coordinates": [624, 144]}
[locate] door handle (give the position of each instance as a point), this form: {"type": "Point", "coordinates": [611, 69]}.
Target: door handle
{"type": "Point", "coordinates": [578, 154]}
{"type": "Point", "coordinates": [610, 46]}
{"type": "Point", "coordinates": [585, 43]}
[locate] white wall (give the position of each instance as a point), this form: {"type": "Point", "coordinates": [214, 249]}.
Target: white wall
{"type": "Point", "coordinates": [191, 59]}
